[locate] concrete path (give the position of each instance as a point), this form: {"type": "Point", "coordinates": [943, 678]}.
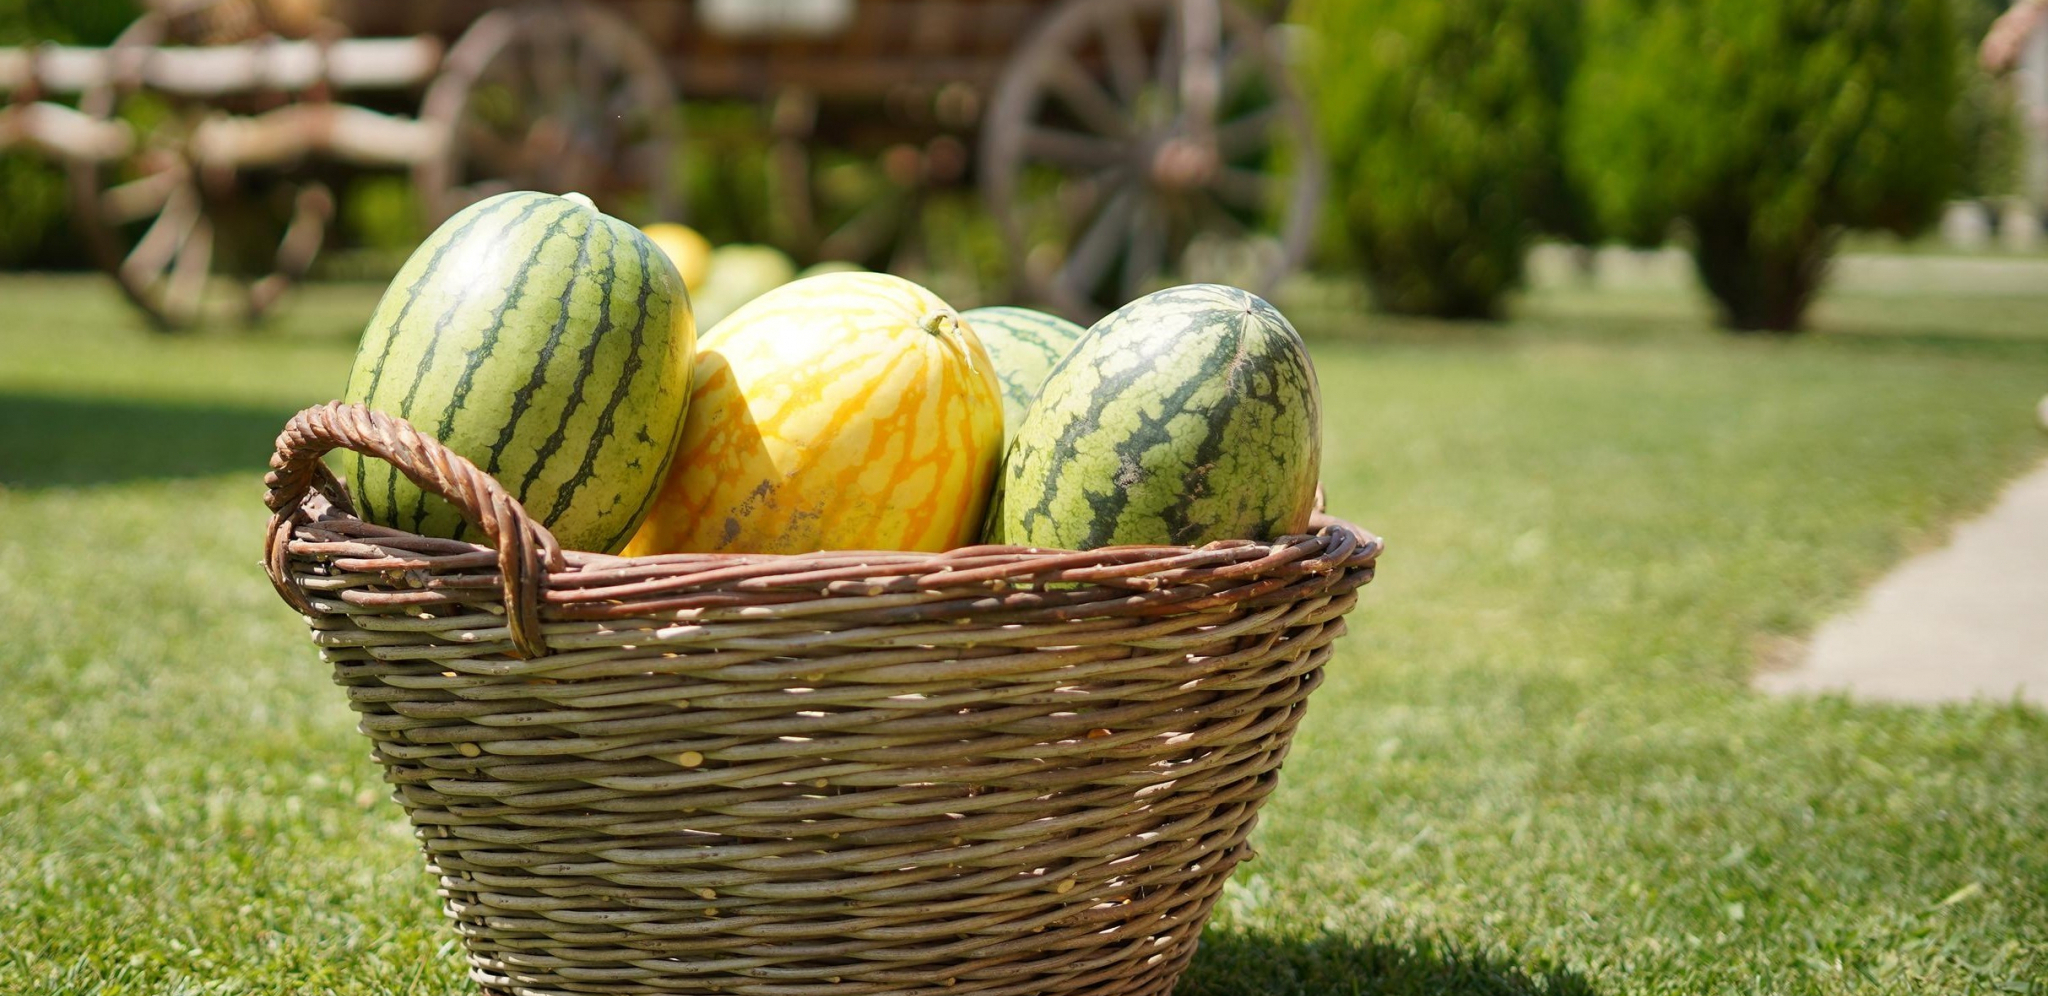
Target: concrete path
{"type": "Point", "coordinates": [1967, 621]}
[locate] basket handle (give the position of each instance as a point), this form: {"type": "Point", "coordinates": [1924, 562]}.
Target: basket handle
{"type": "Point", "coordinates": [526, 550]}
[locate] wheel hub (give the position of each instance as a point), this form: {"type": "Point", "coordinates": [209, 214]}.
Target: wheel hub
{"type": "Point", "coordinates": [1181, 163]}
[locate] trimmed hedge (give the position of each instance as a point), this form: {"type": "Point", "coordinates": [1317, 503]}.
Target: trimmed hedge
{"type": "Point", "coordinates": [1441, 123]}
{"type": "Point", "coordinates": [1767, 129]}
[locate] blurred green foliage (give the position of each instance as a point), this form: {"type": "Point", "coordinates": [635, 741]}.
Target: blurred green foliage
{"type": "Point", "coordinates": [78, 22]}
{"type": "Point", "coordinates": [1441, 122]}
{"type": "Point", "coordinates": [725, 174]}
{"type": "Point", "coordinates": [382, 212]}
{"type": "Point", "coordinates": [35, 234]}
{"type": "Point", "coordinates": [1987, 141]}
{"type": "Point", "coordinates": [1767, 129]}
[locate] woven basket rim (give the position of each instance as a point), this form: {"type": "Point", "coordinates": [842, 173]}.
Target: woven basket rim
{"type": "Point", "coordinates": [303, 495]}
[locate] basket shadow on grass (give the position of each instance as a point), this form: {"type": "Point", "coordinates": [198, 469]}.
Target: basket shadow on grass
{"type": "Point", "coordinates": [49, 441]}
{"type": "Point", "coordinates": [1233, 963]}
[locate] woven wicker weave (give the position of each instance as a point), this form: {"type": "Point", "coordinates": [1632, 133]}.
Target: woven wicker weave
{"type": "Point", "coordinates": [988, 771]}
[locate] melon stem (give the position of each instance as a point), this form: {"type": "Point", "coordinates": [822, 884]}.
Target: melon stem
{"type": "Point", "coordinates": [946, 325]}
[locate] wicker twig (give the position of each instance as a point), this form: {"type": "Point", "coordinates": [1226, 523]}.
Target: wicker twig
{"type": "Point", "coordinates": [523, 545]}
{"type": "Point", "coordinates": [994, 770]}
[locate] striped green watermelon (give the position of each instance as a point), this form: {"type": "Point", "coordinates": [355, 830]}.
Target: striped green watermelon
{"type": "Point", "coordinates": [550, 344]}
{"type": "Point", "coordinates": [1024, 345]}
{"type": "Point", "coordinates": [1186, 416]}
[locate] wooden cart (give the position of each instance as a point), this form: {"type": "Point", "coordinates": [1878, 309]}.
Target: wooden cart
{"type": "Point", "coordinates": [1118, 141]}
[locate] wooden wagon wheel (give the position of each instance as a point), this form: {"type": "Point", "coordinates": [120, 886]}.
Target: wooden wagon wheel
{"type": "Point", "coordinates": [174, 230]}
{"type": "Point", "coordinates": [561, 98]}
{"type": "Point", "coordinates": [1134, 139]}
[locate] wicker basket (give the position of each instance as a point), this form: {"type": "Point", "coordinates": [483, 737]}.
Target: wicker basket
{"type": "Point", "coordinates": [992, 771]}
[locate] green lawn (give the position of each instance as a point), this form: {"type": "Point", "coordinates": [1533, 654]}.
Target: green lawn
{"type": "Point", "coordinates": [1536, 767]}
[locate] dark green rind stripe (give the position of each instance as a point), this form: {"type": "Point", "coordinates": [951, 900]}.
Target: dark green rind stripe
{"type": "Point", "coordinates": [523, 396]}
{"type": "Point", "coordinates": [494, 333]}
{"type": "Point", "coordinates": [1187, 416]}
{"type": "Point", "coordinates": [386, 511]}
{"type": "Point", "coordinates": [1264, 382]}
{"type": "Point", "coordinates": [675, 331]}
{"type": "Point", "coordinates": [443, 330]}
{"type": "Point", "coordinates": [586, 362]}
{"type": "Point", "coordinates": [1152, 435]}
{"type": "Point", "coordinates": [489, 340]}
{"type": "Point", "coordinates": [1070, 407]}
{"type": "Point", "coordinates": [475, 245]}
{"type": "Point", "coordinates": [636, 341]}
{"type": "Point", "coordinates": [1106, 507]}
{"type": "Point", "coordinates": [447, 239]}
{"type": "Point", "coordinates": [537, 295]}
{"type": "Point", "coordinates": [442, 239]}
{"type": "Point", "coordinates": [441, 334]}
{"type": "Point", "coordinates": [1262, 401]}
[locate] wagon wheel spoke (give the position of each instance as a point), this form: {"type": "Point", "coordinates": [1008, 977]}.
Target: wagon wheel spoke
{"type": "Point", "coordinates": [1201, 87]}
{"type": "Point", "coordinates": [1189, 101]}
{"type": "Point", "coordinates": [1080, 199]}
{"type": "Point", "coordinates": [485, 141]}
{"type": "Point", "coordinates": [1059, 147]}
{"type": "Point", "coordinates": [580, 163]}
{"type": "Point", "coordinates": [625, 103]}
{"type": "Point", "coordinates": [1239, 59]}
{"type": "Point", "coordinates": [1084, 95]}
{"type": "Point", "coordinates": [188, 274]}
{"type": "Point", "coordinates": [1125, 52]}
{"type": "Point", "coordinates": [311, 210]}
{"type": "Point", "coordinates": [591, 93]}
{"type": "Point", "coordinates": [553, 75]}
{"type": "Point", "coordinates": [569, 97]}
{"type": "Point", "coordinates": [1221, 214]}
{"type": "Point", "coordinates": [602, 124]}
{"type": "Point", "coordinates": [1166, 59]}
{"type": "Point", "coordinates": [1185, 222]}
{"type": "Point", "coordinates": [1243, 188]}
{"type": "Point", "coordinates": [161, 242]}
{"type": "Point", "coordinates": [595, 76]}
{"type": "Point", "coordinates": [139, 199]}
{"type": "Point", "coordinates": [1248, 133]}
{"type": "Point", "coordinates": [1091, 256]}
{"type": "Point", "coordinates": [1147, 252]}
{"type": "Point", "coordinates": [546, 151]}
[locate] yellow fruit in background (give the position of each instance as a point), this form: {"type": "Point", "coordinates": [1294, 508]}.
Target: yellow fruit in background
{"type": "Point", "coordinates": [850, 411]}
{"type": "Point", "coordinates": [830, 266]}
{"type": "Point", "coordinates": [689, 251]}
{"type": "Point", "coordinates": [736, 274]}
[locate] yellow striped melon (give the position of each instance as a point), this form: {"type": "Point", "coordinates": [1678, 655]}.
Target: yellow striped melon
{"type": "Point", "coordinates": [843, 411]}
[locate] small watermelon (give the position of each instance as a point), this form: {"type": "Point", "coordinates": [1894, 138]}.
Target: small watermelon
{"type": "Point", "coordinates": [1025, 345]}
{"type": "Point", "coordinates": [850, 411]}
{"type": "Point", "coordinates": [547, 342]}
{"type": "Point", "coordinates": [1186, 416]}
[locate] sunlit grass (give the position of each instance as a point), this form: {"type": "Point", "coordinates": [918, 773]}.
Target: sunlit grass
{"type": "Point", "coordinates": [1536, 766]}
